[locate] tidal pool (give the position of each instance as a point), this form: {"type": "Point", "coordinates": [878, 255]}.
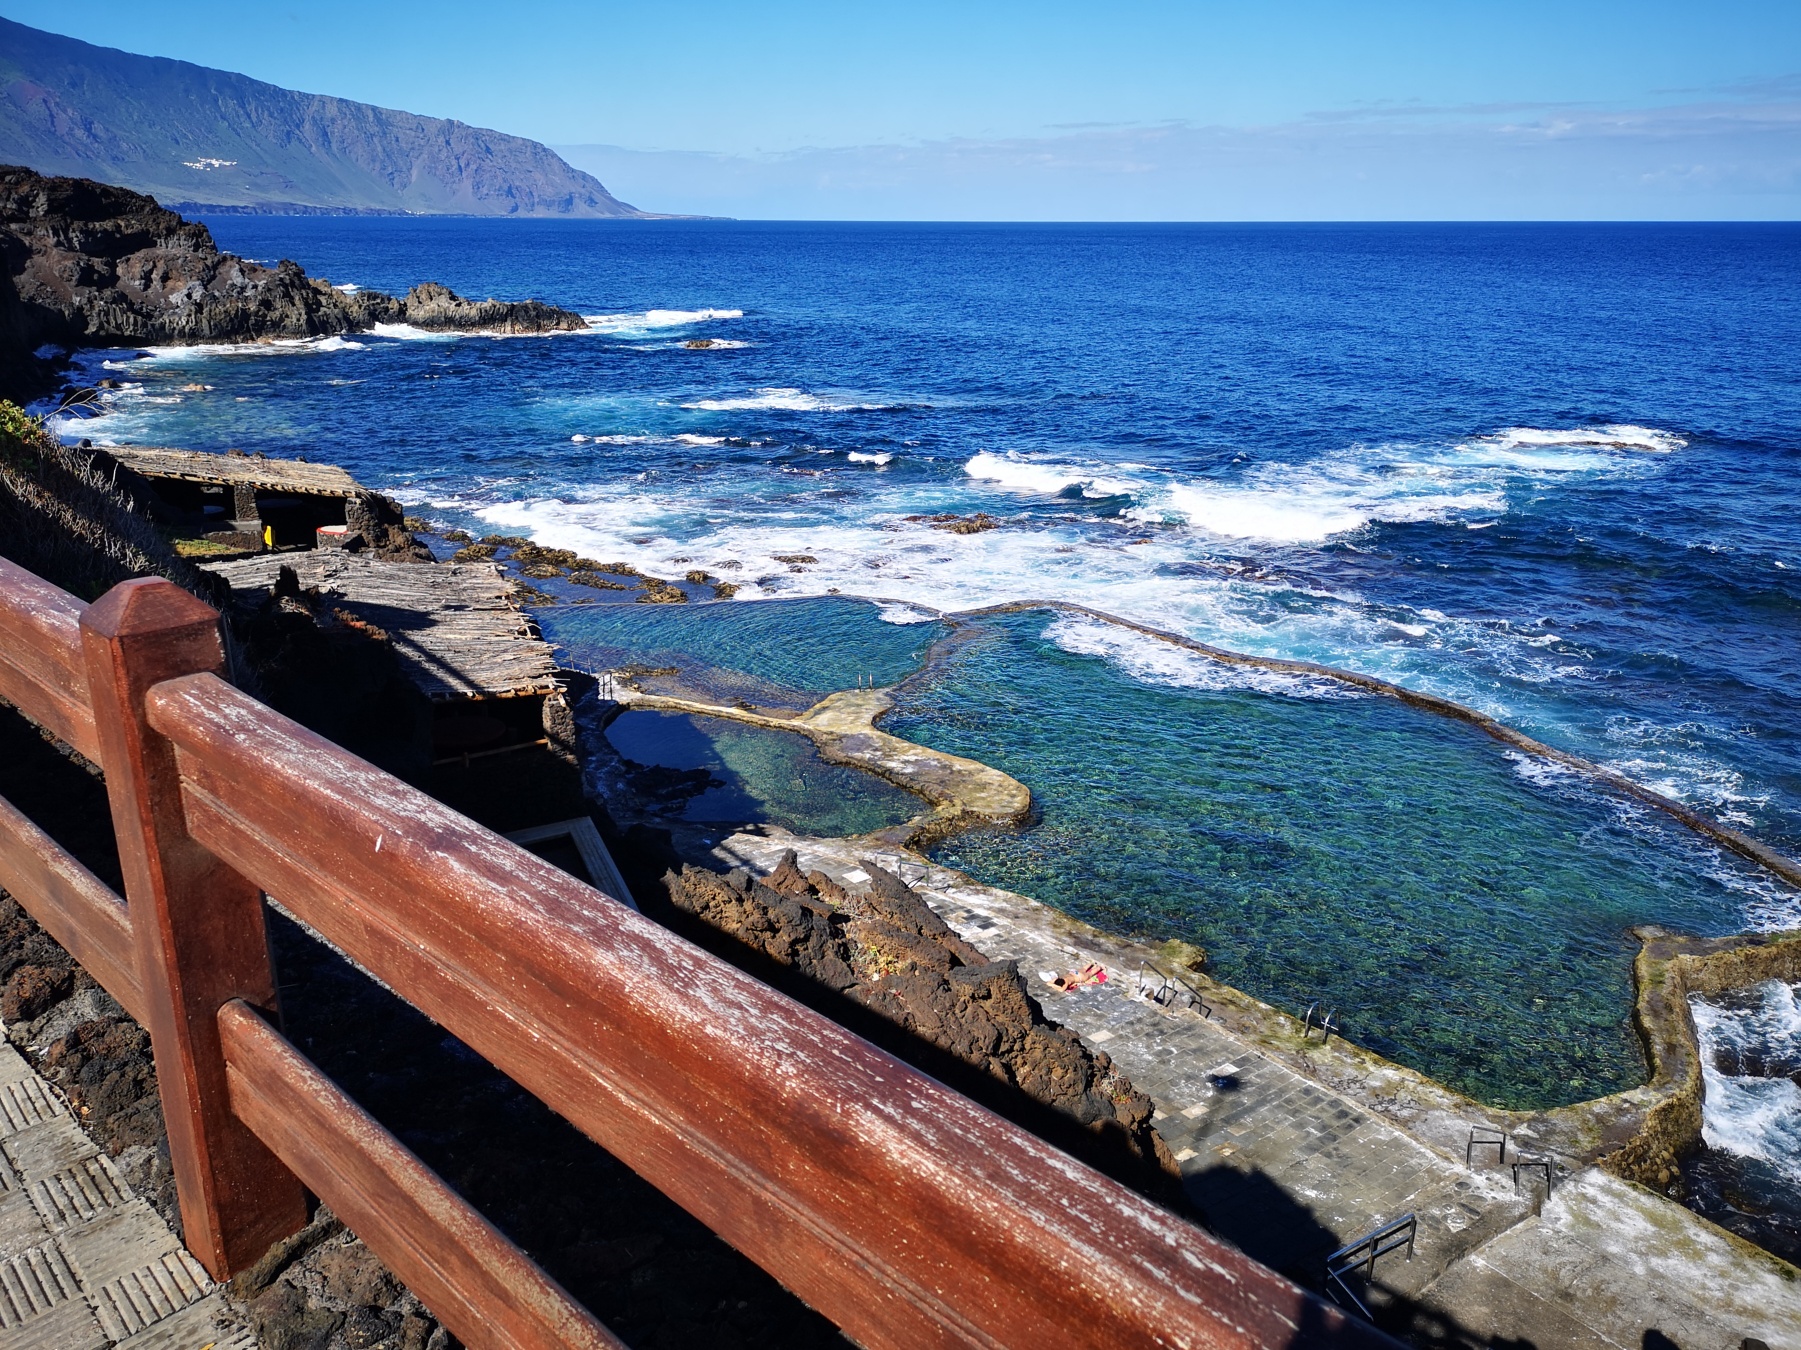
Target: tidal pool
{"type": "Point", "coordinates": [761, 775]}
{"type": "Point", "coordinates": [1464, 907]}
{"type": "Point", "coordinates": [1465, 910]}
{"type": "Point", "coordinates": [774, 653]}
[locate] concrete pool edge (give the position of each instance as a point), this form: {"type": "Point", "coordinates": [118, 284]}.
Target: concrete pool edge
{"type": "Point", "coordinates": [960, 792]}
{"type": "Point", "coordinates": [1635, 1134]}
{"type": "Point", "coordinates": [1302, 1142]}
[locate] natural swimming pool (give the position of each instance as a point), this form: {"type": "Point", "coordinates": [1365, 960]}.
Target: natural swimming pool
{"type": "Point", "coordinates": [1465, 908]}
{"type": "Point", "coordinates": [761, 775]}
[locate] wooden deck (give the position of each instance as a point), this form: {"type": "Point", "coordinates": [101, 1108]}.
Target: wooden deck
{"type": "Point", "coordinates": [270, 475]}
{"type": "Point", "coordinates": [453, 626]}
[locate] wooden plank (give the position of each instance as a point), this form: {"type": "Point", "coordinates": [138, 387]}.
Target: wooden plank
{"type": "Point", "coordinates": [41, 670]}
{"type": "Point", "coordinates": [198, 926]}
{"type": "Point", "coordinates": [900, 1209]}
{"type": "Point", "coordinates": [488, 1292]}
{"type": "Point", "coordinates": [75, 907]}
{"type": "Point", "coordinates": [603, 873]}
{"type": "Point", "coordinates": [452, 625]}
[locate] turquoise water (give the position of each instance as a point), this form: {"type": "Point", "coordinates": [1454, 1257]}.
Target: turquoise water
{"type": "Point", "coordinates": [1465, 920]}
{"type": "Point", "coordinates": [775, 777]}
{"type": "Point", "coordinates": [782, 654]}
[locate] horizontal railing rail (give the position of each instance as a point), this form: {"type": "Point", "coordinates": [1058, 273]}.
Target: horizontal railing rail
{"type": "Point", "coordinates": [42, 669]}
{"type": "Point", "coordinates": [900, 1209]}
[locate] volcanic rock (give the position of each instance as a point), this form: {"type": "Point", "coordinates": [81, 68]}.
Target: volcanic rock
{"type": "Point", "coordinates": [84, 264]}
{"type": "Point", "coordinates": [886, 951]}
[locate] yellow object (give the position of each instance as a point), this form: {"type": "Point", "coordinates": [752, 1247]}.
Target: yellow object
{"type": "Point", "coordinates": [268, 536]}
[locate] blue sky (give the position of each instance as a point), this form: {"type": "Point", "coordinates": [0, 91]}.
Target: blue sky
{"type": "Point", "coordinates": [1063, 111]}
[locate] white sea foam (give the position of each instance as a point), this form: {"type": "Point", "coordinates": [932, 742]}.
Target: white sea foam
{"type": "Point", "coordinates": [1619, 436]}
{"type": "Point", "coordinates": [1021, 474]}
{"type": "Point", "coordinates": [406, 332]}
{"type": "Point", "coordinates": [1151, 660]}
{"type": "Point", "coordinates": [1337, 493]}
{"type": "Point", "coordinates": [784, 400]}
{"type": "Point", "coordinates": [1745, 1113]}
{"type": "Point", "coordinates": [651, 320]}
{"type": "Point", "coordinates": [203, 351]}
{"type": "Point", "coordinates": [904, 615]}
{"type": "Point", "coordinates": [689, 438]}
{"type": "Point", "coordinates": [878, 458]}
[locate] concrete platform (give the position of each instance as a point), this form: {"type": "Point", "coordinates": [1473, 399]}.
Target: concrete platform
{"type": "Point", "coordinates": [1287, 1168]}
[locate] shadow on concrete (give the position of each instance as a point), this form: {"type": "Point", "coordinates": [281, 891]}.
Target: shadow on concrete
{"type": "Point", "coordinates": [1263, 1221]}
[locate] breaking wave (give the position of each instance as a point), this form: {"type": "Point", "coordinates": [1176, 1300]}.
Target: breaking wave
{"type": "Point", "coordinates": [1750, 1064]}
{"type": "Point", "coordinates": [1306, 502]}
{"type": "Point", "coordinates": [1151, 660]}
{"type": "Point", "coordinates": [784, 400]}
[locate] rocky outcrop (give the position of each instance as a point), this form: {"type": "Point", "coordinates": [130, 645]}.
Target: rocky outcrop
{"type": "Point", "coordinates": [83, 264]}
{"type": "Point", "coordinates": [441, 309]}
{"type": "Point", "coordinates": [888, 953]}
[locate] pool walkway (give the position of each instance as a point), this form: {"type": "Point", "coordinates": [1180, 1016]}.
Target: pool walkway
{"type": "Point", "coordinates": [1288, 1168]}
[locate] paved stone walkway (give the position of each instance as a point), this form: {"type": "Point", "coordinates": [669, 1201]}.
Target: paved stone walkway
{"type": "Point", "coordinates": [1288, 1169]}
{"type": "Point", "coordinates": [84, 1263]}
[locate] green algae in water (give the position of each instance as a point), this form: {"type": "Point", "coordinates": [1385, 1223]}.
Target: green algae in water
{"type": "Point", "coordinates": [1392, 863]}
{"type": "Point", "coordinates": [776, 653]}
{"type": "Point", "coordinates": [764, 775]}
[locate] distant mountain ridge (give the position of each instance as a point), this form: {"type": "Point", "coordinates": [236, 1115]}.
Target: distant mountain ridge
{"type": "Point", "coordinates": [196, 138]}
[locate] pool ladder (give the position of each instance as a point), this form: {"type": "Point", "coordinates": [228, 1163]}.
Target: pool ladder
{"type": "Point", "coordinates": [1324, 1023]}
{"type": "Point", "coordinates": [1158, 986]}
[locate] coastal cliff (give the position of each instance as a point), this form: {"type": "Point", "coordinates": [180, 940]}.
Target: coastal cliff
{"type": "Point", "coordinates": [201, 137]}
{"type": "Point", "coordinates": [84, 264]}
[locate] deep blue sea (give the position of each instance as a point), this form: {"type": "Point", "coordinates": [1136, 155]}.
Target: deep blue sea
{"type": "Point", "coordinates": [1549, 471]}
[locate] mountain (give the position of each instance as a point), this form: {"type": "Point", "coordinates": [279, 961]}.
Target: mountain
{"type": "Point", "coordinates": [196, 138]}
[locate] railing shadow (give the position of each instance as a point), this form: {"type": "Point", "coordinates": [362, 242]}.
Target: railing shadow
{"type": "Point", "coordinates": [639, 1262]}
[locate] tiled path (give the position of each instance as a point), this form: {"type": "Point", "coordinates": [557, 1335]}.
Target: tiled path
{"type": "Point", "coordinates": [84, 1263]}
{"type": "Point", "coordinates": [1288, 1169]}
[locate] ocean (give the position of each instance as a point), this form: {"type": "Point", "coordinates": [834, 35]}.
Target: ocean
{"type": "Point", "coordinates": [1552, 472]}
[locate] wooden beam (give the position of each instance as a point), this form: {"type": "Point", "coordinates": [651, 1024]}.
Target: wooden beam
{"type": "Point", "coordinates": [198, 925]}
{"type": "Point", "coordinates": [41, 667]}
{"type": "Point", "coordinates": [75, 907]}
{"type": "Point", "coordinates": [475, 1281]}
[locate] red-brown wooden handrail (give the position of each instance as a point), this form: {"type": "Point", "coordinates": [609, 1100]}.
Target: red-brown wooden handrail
{"type": "Point", "coordinates": [41, 665]}
{"type": "Point", "coordinates": [75, 907]}
{"type": "Point", "coordinates": [476, 1281]}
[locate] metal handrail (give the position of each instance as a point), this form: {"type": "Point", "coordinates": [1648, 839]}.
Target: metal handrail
{"type": "Point", "coordinates": [1363, 1253]}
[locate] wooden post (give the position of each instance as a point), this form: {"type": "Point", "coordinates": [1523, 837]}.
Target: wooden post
{"type": "Point", "coordinates": [198, 925]}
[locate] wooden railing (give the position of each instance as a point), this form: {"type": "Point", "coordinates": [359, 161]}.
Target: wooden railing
{"type": "Point", "coordinates": [898, 1208]}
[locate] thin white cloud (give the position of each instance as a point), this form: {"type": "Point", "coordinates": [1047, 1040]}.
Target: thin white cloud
{"type": "Point", "coordinates": [1725, 157]}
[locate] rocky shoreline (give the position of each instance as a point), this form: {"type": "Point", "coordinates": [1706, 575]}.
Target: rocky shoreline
{"type": "Point", "coordinates": [87, 265]}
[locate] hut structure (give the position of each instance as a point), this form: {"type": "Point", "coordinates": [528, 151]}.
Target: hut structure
{"type": "Point", "coordinates": [249, 501]}
{"type": "Point", "coordinates": [482, 672]}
